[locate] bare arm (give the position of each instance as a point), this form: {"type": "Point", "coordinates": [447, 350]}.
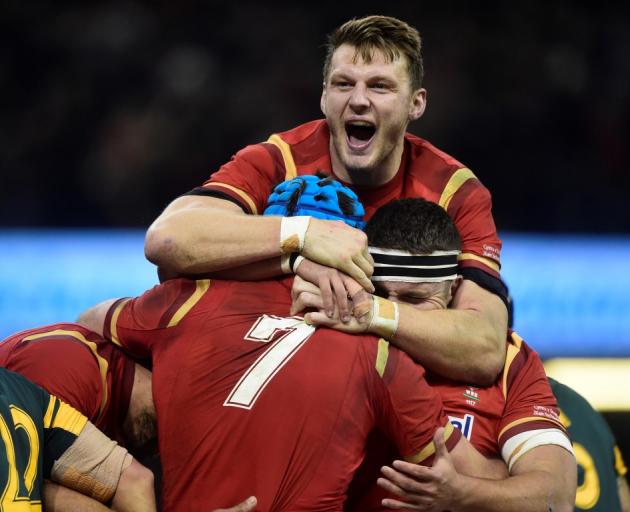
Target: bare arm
{"type": "Point", "coordinates": [61, 499]}
{"type": "Point", "coordinates": [94, 318]}
{"type": "Point", "coordinates": [135, 491]}
{"type": "Point", "coordinates": [465, 342]}
{"type": "Point", "coordinates": [542, 480]}
{"type": "Point", "coordinates": [198, 235]}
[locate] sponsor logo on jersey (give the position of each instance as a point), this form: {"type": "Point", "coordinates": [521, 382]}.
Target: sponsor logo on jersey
{"type": "Point", "coordinates": [464, 424]}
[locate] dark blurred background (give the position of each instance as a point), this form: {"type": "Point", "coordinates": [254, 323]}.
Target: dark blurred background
{"type": "Point", "coordinates": [112, 109]}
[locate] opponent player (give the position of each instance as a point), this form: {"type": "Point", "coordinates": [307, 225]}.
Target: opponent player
{"type": "Point", "coordinates": [42, 437]}
{"type": "Point", "coordinates": [372, 89]}
{"type": "Point", "coordinates": [415, 244]}
{"type": "Point", "coordinates": [602, 484]}
{"type": "Point", "coordinates": [236, 378]}
{"type": "Point", "coordinates": [88, 373]}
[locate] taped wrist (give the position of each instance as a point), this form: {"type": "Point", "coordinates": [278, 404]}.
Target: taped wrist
{"type": "Point", "coordinates": [384, 321]}
{"type": "Point", "coordinates": [289, 263]}
{"type": "Point", "coordinates": [293, 233]}
{"type": "Point", "coordinates": [92, 465]}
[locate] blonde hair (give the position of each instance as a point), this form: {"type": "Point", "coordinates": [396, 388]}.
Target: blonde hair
{"type": "Point", "coordinates": [391, 36]}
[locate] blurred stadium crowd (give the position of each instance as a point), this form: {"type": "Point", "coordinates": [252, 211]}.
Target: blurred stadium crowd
{"type": "Point", "coordinates": [111, 109]}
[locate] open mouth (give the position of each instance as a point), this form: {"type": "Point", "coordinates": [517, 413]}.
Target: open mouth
{"type": "Point", "coordinates": [359, 134]}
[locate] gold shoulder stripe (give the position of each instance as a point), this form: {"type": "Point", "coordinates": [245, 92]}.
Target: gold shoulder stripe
{"type": "Point", "coordinates": [429, 449]}
{"type": "Point", "coordinates": [285, 150]}
{"type": "Point", "coordinates": [243, 195]}
{"type": "Point", "coordinates": [526, 420]}
{"type": "Point", "coordinates": [619, 464]}
{"type": "Point", "coordinates": [113, 324]}
{"type": "Point", "coordinates": [202, 287]}
{"type": "Point", "coordinates": [486, 261]}
{"type": "Point", "coordinates": [512, 352]}
{"type": "Point", "coordinates": [69, 419]}
{"type": "Point", "coordinates": [460, 176]}
{"type": "Point", "coordinates": [49, 411]}
{"type": "Point", "coordinates": [102, 362]}
{"type": "Point", "coordinates": [518, 341]}
{"type": "Point", "coordinates": [382, 356]}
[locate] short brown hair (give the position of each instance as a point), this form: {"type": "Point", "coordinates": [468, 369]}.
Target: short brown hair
{"type": "Point", "coordinates": [391, 36]}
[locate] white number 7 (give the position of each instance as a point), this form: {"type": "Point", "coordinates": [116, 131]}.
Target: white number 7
{"type": "Point", "coordinates": [259, 374]}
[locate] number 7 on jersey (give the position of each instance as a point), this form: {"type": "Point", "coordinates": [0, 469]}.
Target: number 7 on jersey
{"type": "Point", "coordinates": [259, 374]}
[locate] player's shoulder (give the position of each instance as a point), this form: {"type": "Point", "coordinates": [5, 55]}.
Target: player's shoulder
{"type": "Point", "coordinates": [57, 331]}
{"type": "Point", "coordinates": [519, 356]}
{"type": "Point", "coordinates": [426, 161]}
{"type": "Point", "coordinates": [294, 136]}
{"type": "Point", "coordinates": [21, 391]}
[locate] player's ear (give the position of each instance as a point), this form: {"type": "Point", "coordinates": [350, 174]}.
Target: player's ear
{"type": "Point", "coordinates": [322, 101]}
{"type": "Point", "coordinates": [418, 104]}
{"type": "Point", "coordinates": [454, 284]}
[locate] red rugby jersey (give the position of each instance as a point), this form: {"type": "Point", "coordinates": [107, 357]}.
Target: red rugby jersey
{"type": "Point", "coordinates": [425, 172]}
{"type": "Point", "coordinates": [263, 404]}
{"type": "Point", "coordinates": [78, 366]}
{"type": "Point", "coordinates": [520, 400]}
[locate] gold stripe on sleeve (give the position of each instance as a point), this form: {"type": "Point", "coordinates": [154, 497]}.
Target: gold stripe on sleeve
{"type": "Point", "coordinates": [113, 325]}
{"type": "Point", "coordinates": [429, 449]}
{"type": "Point", "coordinates": [202, 287]}
{"type": "Point", "coordinates": [285, 150]}
{"type": "Point", "coordinates": [459, 177]}
{"type": "Point", "coordinates": [381, 356]}
{"type": "Point", "coordinates": [486, 261]}
{"type": "Point", "coordinates": [49, 411]}
{"type": "Point", "coordinates": [512, 352]}
{"type": "Point", "coordinates": [69, 419]}
{"type": "Point", "coordinates": [240, 193]}
{"type": "Point", "coordinates": [619, 464]}
{"type": "Point", "coordinates": [102, 363]}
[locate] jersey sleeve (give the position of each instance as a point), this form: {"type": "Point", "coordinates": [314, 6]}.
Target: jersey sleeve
{"type": "Point", "coordinates": [531, 417]}
{"type": "Point", "coordinates": [62, 426]}
{"type": "Point", "coordinates": [248, 178]}
{"type": "Point", "coordinates": [471, 209]}
{"type": "Point", "coordinates": [138, 324]}
{"type": "Point", "coordinates": [407, 409]}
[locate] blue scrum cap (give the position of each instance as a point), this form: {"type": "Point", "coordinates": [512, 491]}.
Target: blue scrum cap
{"type": "Point", "coordinates": [322, 198]}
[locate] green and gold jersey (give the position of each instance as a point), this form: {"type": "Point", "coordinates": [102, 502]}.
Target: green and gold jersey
{"type": "Point", "coordinates": [36, 428]}
{"type": "Point", "coordinates": [598, 457]}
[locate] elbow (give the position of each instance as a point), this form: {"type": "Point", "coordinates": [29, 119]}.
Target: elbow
{"type": "Point", "coordinates": [489, 363]}
{"type": "Point", "coordinates": [135, 489]}
{"type": "Point", "coordinates": [161, 248]}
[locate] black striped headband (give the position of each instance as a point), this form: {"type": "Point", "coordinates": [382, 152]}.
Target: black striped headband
{"type": "Point", "coordinates": [394, 265]}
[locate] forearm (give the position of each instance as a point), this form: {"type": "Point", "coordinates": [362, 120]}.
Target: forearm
{"type": "Point", "coordinates": [61, 499]}
{"type": "Point", "coordinates": [535, 491]}
{"type": "Point", "coordinates": [196, 235]}
{"type": "Point", "coordinates": [459, 344]}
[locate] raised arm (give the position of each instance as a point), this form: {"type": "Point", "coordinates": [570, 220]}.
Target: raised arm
{"type": "Point", "coordinates": [465, 342]}
{"type": "Point", "coordinates": [200, 235]}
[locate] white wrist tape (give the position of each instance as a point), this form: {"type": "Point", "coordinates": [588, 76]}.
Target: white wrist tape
{"type": "Point", "coordinates": [299, 259]}
{"type": "Point", "coordinates": [384, 320]}
{"type": "Point", "coordinates": [285, 264]}
{"type": "Point", "coordinates": [293, 233]}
